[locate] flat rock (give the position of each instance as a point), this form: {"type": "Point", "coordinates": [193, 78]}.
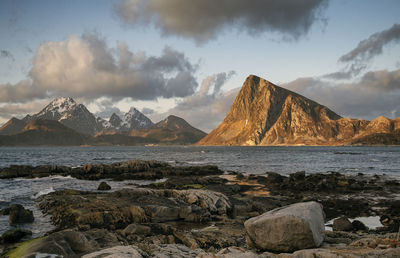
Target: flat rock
{"type": "Point", "coordinates": [287, 229]}
{"type": "Point", "coordinates": [116, 210]}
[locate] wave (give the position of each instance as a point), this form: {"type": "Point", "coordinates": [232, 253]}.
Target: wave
{"type": "Point", "coordinates": [60, 177]}
{"type": "Point", "coordinates": [43, 192]}
{"type": "Point", "coordinates": [347, 153]}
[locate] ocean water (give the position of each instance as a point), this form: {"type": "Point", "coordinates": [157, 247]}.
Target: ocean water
{"type": "Point", "coordinates": [252, 160]}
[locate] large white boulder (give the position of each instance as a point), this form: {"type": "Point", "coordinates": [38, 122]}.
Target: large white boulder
{"type": "Point", "coordinates": [287, 229]}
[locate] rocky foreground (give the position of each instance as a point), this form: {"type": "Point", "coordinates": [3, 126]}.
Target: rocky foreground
{"type": "Point", "coordinates": [201, 212]}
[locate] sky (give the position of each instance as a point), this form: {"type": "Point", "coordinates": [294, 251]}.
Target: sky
{"type": "Point", "coordinates": [190, 58]}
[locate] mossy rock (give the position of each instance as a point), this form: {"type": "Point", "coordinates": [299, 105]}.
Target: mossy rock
{"type": "Point", "coordinates": [193, 186]}
{"type": "Point", "coordinates": [24, 248]}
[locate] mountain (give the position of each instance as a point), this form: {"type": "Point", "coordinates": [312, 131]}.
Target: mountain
{"type": "Point", "coordinates": [265, 114]}
{"type": "Point", "coordinates": [133, 119]}
{"type": "Point", "coordinates": [13, 126]}
{"type": "Point", "coordinates": [44, 132]}
{"type": "Point", "coordinates": [73, 115]}
{"type": "Point", "coordinates": [172, 130]}
{"type": "Point", "coordinates": [115, 120]}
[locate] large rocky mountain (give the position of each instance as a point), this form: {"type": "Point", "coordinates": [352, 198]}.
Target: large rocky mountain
{"type": "Point", "coordinates": [265, 114]}
{"type": "Point", "coordinates": [172, 130]}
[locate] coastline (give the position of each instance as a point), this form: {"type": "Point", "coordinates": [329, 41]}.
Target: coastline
{"type": "Point", "coordinates": [154, 223]}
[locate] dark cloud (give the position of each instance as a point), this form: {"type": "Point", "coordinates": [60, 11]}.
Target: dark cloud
{"type": "Point", "coordinates": [86, 67]}
{"type": "Point", "coordinates": [373, 46]}
{"type": "Point", "coordinates": [347, 73]}
{"type": "Point", "coordinates": [203, 20]}
{"type": "Point", "coordinates": [376, 93]}
{"type": "Point", "coordinates": [358, 58]}
{"type": "Point", "coordinates": [208, 106]}
{"type": "Point", "coordinates": [6, 54]}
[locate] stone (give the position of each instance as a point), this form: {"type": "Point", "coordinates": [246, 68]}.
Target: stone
{"type": "Point", "coordinates": [235, 252]}
{"type": "Point", "coordinates": [176, 250]}
{"type": "Point", "coordinates": [136, 229]}
{"type": "Point", "coordinates": [342, 224]}
{"type": "Point", "coordinates": [103, 186]}
{"type": "Point", "coordinates": [287, 229]}
{"type": "Point", "coordinates": [117, 251]}
{"type": "Point", "coordinates": [18, 214]}
{"type": "Point", "coordinates": [14, 235]}
{"type": "Point", "coordinates": [358, 225]}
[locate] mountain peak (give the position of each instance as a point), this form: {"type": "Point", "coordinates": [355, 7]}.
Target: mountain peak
{"type": "Point", "coordinates": [265, 114]}
{"type": "Point", "coordinates": [133, 110]}
{"type": "Point", "coordinates": [134, 119]}
{"type": "Point", "coordinates": [63, 102]}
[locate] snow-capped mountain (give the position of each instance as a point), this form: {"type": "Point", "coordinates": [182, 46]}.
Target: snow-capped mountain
{"type": "Point", "coordinates": [73, 115]}
{"type": "Point", "coordinates": [132, 120]}
{"type": "Point", "coordinates": [79, 118]}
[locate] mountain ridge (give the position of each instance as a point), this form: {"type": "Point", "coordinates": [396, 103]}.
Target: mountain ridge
{"type": "Point", "coordinates": [172, 129]}
{"type": "Point", "coordinates": [266, 114]}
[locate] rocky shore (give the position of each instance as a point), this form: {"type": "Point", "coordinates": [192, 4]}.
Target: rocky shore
{"type": "Point", "coordinates": [199, 211]}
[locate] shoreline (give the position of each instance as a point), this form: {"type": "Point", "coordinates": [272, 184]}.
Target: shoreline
{"type": "Point", "coordinates": [242, 196]}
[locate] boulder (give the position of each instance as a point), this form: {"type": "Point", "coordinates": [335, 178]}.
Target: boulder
{"type": "Point", "coordinates": [18, 214]}
{"type": "Point", "coordinates": [103, 186]}
{"type": "Point", "coordinates": [287, 229]}
{"type": "Point", "coordinates": [342, 224]}
{"type": "Point", "coordinates": [14, 235]}
{"type": "Point", "coordinates": [136, 229]}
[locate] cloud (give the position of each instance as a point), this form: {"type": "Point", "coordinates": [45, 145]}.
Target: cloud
{"type": "Point", "coordinates": [23, 90]}
{"type": "Point", "coordinates": [208, 106]}
{"type": "Point", "coordinates": [6, 54]}
{"type": "Point", "coordinates": [372, 46]}
{"type": "Point", "coordinates": [147, 111]}
{"type": "Point", "coordinates": [347, 73]}
{"type": "Point", "coordinates": [20, 110]}
{"type": "Point", "coordinates": [86, 67]}
{"type": "Point", "coordinates": [202, 20]}
{"type": "Point", "coordinates": [376, 93]}
{"type": "Point", "coordinates": [356, 60]}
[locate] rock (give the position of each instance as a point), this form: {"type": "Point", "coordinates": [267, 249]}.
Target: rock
{"type": "Point", "coordinates": [287, 229]}
{"type": "Point", "coordinates": [117, 251]}
{"type": "Point", "coordinates": [132, 169]}
{"type": "Point", "coordinates": [176, 250]}
{"type": "Point", "coordinates": [66, 243]}
{"type": "Point", "coordinates": [136, 229]}
{"type": "Point", "coordinates": [358, 225]}
{"type": "Point", "coordinates": [14, 235]}
{"type": "Point", "coordinates": [116, 210]}
{"type": "Point", "coordinates": [18, 214]}
{"type": "Point", "coordinates": [235, 252]}
{"type": "Point", "coordinates": [342, 224]}
{"type": "Point", "coordinates": [103, 186]}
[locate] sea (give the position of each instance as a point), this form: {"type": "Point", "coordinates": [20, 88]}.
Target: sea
{"type": "Point", "coordinates": [250, 160]}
